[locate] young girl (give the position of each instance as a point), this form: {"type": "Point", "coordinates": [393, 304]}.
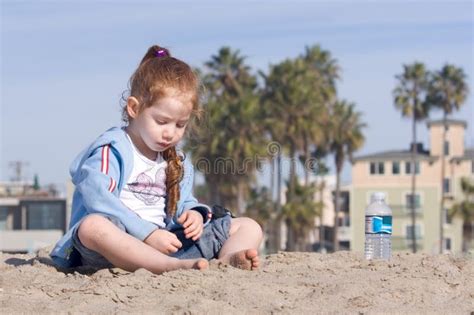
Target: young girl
{"type": "Point", "coordinates": [133, 206]}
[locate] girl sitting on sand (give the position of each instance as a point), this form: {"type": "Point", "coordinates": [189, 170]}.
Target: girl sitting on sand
{"type": "Point", "coordinates": [133, 205]}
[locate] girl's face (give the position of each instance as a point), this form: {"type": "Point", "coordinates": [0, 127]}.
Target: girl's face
{"type": "Point", "coordinates": [160, 126]}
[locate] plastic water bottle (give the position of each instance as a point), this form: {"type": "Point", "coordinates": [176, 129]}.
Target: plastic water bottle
{"type": "Point", "coordinates": [378, 228]}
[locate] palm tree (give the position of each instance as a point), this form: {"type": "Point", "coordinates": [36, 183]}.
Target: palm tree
{"type": "Point", "coordinates": [410, 98]}
{"type": "Point", "coordinates": [296, 97]}
{"type": "Point", "coordinates": [325, 67]}
{"type": "Point", "coordinates": [346, 137]}
{"type": "Point", "coordinates": [291, 112]}
{"type": "Point", "coordinates": [280, 103]}
{"type": "Point", "coordinates": [324, 73]}
{"type": "Point", "coordinates": [295, 105]}
{"type": "Point", "coordinates": [234, 138]}
{"type": "Point", "coordinates": [275, 97]}
{"type": "Point", "coordinates": [448, 91]}
{"type": "Point", "coordinates": [465, 209]}
{"type": "Point", "coordinates": [228, 73]}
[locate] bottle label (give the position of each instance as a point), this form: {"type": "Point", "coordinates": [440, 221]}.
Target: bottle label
{"type": "Point", "coordinates": [375, 224]}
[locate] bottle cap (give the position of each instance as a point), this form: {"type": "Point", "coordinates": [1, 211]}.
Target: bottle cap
{"type": "Point", "coordinates": [378, 196]}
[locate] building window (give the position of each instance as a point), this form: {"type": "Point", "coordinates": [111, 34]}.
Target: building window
{"type": "Point", "coordinates": [3, 218]}
{"type": "Point", "coordinates": [446, 147]}
{"type": "Point", "coordinates": [447, 218]}
{"type": "Point", "coordinates": [395, 168]}
{"type": "Point", "coordinates": [344, 221]}
{"type": "Point", "coordinates": [377, 168]}
{"type": "Point", "coordinates": [446, 186]}
{"type": "Point", "coordinates": [408, 167]}
{"type": "Point", "coordinates": [447, 243]}
{"type": "Point", "coordinates": [409, 200]}
{"type": "Point", "coordinates": [409, 232]}
{"type": "Point", "coordinates": [45, 216]}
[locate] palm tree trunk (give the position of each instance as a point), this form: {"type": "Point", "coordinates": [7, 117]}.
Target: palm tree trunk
{"type": "Point", "coordinates": [292, 173]}
{"type": "Point", "coordinates": [322, 248]}
{"type": "Point", "coordinates": [290, 242]}
{"type": "Point", "coordinates": [413, 184]}
{"type": "Point", "coordinates": [278, 223]}
{"type": "Point", "coordinates": [306, 177]}
{"type": "Point", "coordinates": [306, 156]}
{"type": "Point", "coordinates": [441, 206]}
{"type": "Point", "coordinates": [272, 231]}
{"type": "Point", "coordinates": [272, 179]}
{"type": "Point", "coordinates": [337, 205]}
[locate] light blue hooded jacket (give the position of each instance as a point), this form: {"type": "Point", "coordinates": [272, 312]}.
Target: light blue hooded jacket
{"type": "Point", "coordinates": [98, 187]}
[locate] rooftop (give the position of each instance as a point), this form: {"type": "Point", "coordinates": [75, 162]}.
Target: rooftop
{"type": "Point", "coordinates": [394, 155]}
{"type": "Point", "coordinates": [448, 121]}
{"type": "Point", "coordinates": [421, 154]}
{"type": "Point", "coordinates": [406, 154]}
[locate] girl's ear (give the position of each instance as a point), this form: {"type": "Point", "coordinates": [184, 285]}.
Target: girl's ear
{"type": "Point", "coordinates": [132, 107]}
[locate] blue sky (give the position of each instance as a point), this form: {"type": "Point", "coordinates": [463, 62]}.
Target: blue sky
{"type": "Point", "coordinates": [65, 64]}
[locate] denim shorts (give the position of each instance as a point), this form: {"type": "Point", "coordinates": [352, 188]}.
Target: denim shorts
{"type": "Point", "coordinates": [207, 246]}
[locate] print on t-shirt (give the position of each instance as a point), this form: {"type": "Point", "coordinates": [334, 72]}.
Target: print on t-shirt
{"type": "Point", "coordinates": [147, 189]}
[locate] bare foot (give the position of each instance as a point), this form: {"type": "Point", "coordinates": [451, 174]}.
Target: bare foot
{"type": "Point", "coordinates": [246, 259]}
{"type": "Point", "coordinates": [199, 264]}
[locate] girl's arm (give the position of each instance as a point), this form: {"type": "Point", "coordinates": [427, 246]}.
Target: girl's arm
{"type": "Point", "coordinates": [96, 180]}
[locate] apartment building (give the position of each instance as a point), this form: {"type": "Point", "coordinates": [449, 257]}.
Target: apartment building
{"type": "Point", "coordinates": [390, 172]}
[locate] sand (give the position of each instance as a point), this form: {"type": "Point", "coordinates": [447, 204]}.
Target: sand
{"type": "Point", "coordinates": [287, 283]}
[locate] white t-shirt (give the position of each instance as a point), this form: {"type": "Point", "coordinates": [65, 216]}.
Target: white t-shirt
{"type": "Point", "coordinates": [145, 189]}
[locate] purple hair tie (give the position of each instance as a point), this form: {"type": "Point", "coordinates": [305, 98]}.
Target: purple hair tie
{"type": "Point", "coordinates": [161, 53]}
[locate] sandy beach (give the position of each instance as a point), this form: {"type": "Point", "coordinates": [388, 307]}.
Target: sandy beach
{"type": "Point", "coordinates": [295, 283]}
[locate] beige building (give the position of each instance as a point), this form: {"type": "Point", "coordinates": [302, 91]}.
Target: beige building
{"type": "Point", "coordinates": [391, 171]}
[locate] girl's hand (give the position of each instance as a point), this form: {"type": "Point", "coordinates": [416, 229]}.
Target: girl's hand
{"type": "Point", "coordinates": [163, 241]}
{"type": "Point", "coordinates": [192, 222]}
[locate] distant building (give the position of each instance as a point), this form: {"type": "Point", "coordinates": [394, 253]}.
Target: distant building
{"type": "Point", "coordinates": [322, 234]}
{"type": "Point", "coordinates": [390, 172]}
{"type": "Point", "coordinates": [325, 227]}
{"type": "Point", "coordinates": [29, 219]}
